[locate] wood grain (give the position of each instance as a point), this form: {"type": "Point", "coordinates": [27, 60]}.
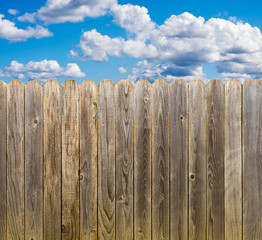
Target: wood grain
{"type": "Point", "coordinates": [142, 160]}
{"type": "Point", "coordinates": [233, 161]}
{"type": "Point", "coordinates": [215, 161]}
{"type": "Point", "coordinates": [160, 160]}
{"type": "Point", "coordinates": [52, 160]}
{"type": "Point", "coordinates": [88, 160]}
{"type": "Point", "coordinates": [197, 159]}
{"type": "Point", "coordinates": [252, 159]}
{"type": "Point", "coordinates": [106, 160]}
{"type": "Point", "coordinates": [15, 160]}
{"type": "Point", "coordinates": [178, 161]}
{"type": "Point", "coordinates": [124, 160]}
{"type": "Point", "coordinates": [70, 160]}
{"type": "Point", "coordinates": [3, 184]}
{"type": "Point", "coordinates": [33, 160]}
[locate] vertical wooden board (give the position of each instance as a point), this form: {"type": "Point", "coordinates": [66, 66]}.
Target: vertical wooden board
{"type": "Point", "coordinates": [106, 160]}
{"type": "Point", "coordinates": [52, 160]}
{"type": "Point", "coordinates": [178, 161]}
{"type": "Point", "coordinates": [142, 160]}
{"type": "Point", "coordinates": [252, 159]}
{"type": "Point", "coordinates": [215, 161]}
{"type": "Point", "coordinates": [3, 186]}
{"type": "Point", "coordinates": [88, 160]}
{"type": "Point", "coordinates": [15, 160]}
{"type": "Point", "coordinates": [70, 160]}
{"type": "Point", "coordinates": [33, 160]}
{"type": "Point", "coordinates": [124, 160]}
{"type": "Point", "coordinates": [233, 165]}
{"type": "Point", "coordinates": [197, 159]}
{"type": "Point", "coordinates": [160, 160]}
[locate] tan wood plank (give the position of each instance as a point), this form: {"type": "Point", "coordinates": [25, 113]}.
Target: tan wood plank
{"type": "Point", "coordinates": [233, 161]}
{"type": "Point", "coordinates": [15, 160]}
{"type": "Point", "coordinates": [88, 160]}
{"type": "Point", "coordinates": [124, 160]}
{"type": "Point", "coordinates": [3, 184]}
{"type": "Point", "coordinates": [33, 160]}
{"type": "Point", "coordinates": [252, 159]}
{"type": "Point", "coordinates": [106, 160]}
{"type": "Point", "coordinates": [215, 161]}
{"type": "Point", "coordinates": [178, 160]}
{"type": "Point", "coordinates": [160, 160]}
{"type": "Point", "coordinates": [142, 160]}
{"type": "Point", "coordinates": [52, 160]}
{"type": "Point", "coordinates": [197, 159]}
{"type": "Point", "coordinates": [70, 160]}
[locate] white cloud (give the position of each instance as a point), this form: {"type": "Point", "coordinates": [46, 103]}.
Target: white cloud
{"type": "Point", "coordinates": [122, 70]}
{"type": "Point", "coordinates": [42, 70]}
{"type": "Point", "coordinates": [59, 11]}
{"type": "Point", "coordinates": [28, 17]}
{"type": "Point", "coordinates": [134, 19]}
{"type": "Point", "coordinates": [13, 11]}
{"type": "Point", "coordinates": [9, 31]}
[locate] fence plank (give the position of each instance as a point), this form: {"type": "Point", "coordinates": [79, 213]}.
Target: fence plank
{"type": "Point", "coordinates": [252, 159]}
{"type": "Point", "coordinates": [124, 160]}
{"type": "Point", "coordinates": [70, 160]}
{"type": "Point", "coordinates": [178, 161]}
{"type": "Point", "coordinates": [88, 160]}
{"type": "Point", "coordinates": [106, 160]}
{"type": "Point", "coordinates": [197, 159]}
{"type": "Point", "coordinates": [233, 165]}
{"type": "Point", "coordinates": [3, 183]}
{"type": "Point", "coordinates": [33, 160]}
{"type": "Point", "coordinates": [52, 160]}
{"type": "Point", "coordinates": [160, 160]}
{"type": "Point", "coordinates": [15, 160]}
{"type": "Point", "coordinates": [142, 160]}
{"type": "Point", "coordinates": [215, 161]}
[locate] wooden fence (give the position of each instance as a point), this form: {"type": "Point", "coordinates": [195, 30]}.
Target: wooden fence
{"type": "Point", "coordinates": [161, 161]}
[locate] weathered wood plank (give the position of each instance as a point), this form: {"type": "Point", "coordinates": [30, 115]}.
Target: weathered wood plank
{"type": "Point", "coordinates": [3, 184]}
{"type": "Point", "coordinates": [33, 160]}
{"type": "Point", "coordinates": [215, 161]}
{"type": "Point", "coordinates": [88, 160]}
{"type": "Point", "coordinates": [106, 160]}
{"type": "Point", "coordinates": [70, 160]}
{"type": "Point", "coordinates": [52, 160]}
{"type": "Point", "coordinates": [15, 160]}
{"type": "Point", "coordinates": [178, 161]}
{"type": "Point", "coordinates": [233, 161]}
{"type": "Point", "coordinates": [252, 159]}
{"type": "Point", "coordinates": [142, 160]}
{"type": "Point", "coordinates": [160, 160]}
{"type": "Point", "coordinates": [197, 159]}
{"type": "Point", "coordinates": [124, 160]}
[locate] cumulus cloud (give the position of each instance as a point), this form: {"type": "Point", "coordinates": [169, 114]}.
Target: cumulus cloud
{"type": "Point", "coordinates": [41, 70]}
{"type": "Point", "coordinates": [9, 31]}
{"type": "Point", "coordinates": [122, 70]}
{"type": "Point", "coordinates": [28, 17]}
{"type": "Point", "coordinates": [182, 44]}
{"type": "Point", "coordinates": [13, 11]}
{"type": "Point", "coordinates": [57, 11]}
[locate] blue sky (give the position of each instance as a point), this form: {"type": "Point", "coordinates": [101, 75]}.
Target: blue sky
{"type": "Point", "coordinates": [98, 39]}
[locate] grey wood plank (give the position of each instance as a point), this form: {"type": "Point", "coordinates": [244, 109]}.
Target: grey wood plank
{"type": "Point", "coordinates": [160, 160]}
{"type": "Point", "coordinates": [106, 160]}
{"type": "Point", "coordinates": [142, 160]}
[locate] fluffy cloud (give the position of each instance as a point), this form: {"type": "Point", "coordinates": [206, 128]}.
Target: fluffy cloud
{"type": "Point", "coordinates": [42, 70]}
{"type": "Point", "coordinates": [59, 11]}
{"type": "Point", "coordinates": [28, 17]}
{"type": "Point", "coordinates": [13, 11]}
{"type": "Point", "coordinates": [182, 44]}
{"type": "Point", "coordinates": [9, 31]}
{"type": "Point", "coordinates": [122, 70]}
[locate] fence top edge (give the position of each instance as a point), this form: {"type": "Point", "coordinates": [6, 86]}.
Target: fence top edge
{"type": "Point", "coordinates": [252, 81]}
